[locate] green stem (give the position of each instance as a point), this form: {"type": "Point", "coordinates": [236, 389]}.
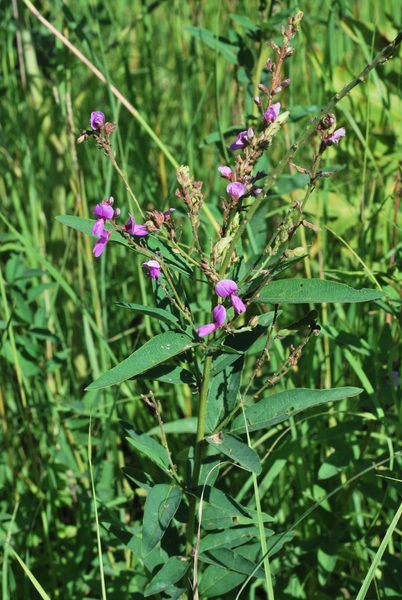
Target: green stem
{"type": "Point", "coordinates": [202, 409]}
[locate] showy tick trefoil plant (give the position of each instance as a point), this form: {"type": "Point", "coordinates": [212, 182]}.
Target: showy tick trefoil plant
{"type": "Point", "coordinates": [218, 309]}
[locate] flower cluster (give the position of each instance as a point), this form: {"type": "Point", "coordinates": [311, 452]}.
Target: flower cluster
{"type": "Point", "coordinates": [224, 288]}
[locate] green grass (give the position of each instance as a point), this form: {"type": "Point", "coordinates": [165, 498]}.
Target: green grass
{"type": "Point", "coordinates": [333, 476]}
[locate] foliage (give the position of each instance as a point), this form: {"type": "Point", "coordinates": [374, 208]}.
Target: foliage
{"type": "Point", "coordinates": [307, 468]}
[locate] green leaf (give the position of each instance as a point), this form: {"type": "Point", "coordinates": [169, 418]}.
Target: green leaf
{"type": "Point", "coordinates": [172, 571]}
{"type": "Point", "coordinates": [221, 511]}
{"type": "Point", "coordinates": [160, 507]}
{"type": "Point", "coordinates": [222, 393]}
{"type": "Point", "coordinates": [85, 225]}
{"type": "Point", "coordinates": [279, 407]}
{"type": "Point", "coordinates": [186, 425]}
{"type": "Point", "coordinates": [237, 451]}
{"type": "Point", "coordinates": [210, 39]}
{"type": "Point", "coordinates": [231, 561]}
{"type": "Point", "coordinates": [169, 374]}
{"type": "Point", "coordinates": [157, 350]}
{"type": "Point", "coordinates": [158, 313]}
{"type": "Point", "coordinates": [148, 446]}
{"type": "Point", "coordinates": [245, 22]}
{"type": "Point", "coordinates": [229, 538]}
{"type": "Point", "coordinates": [304, 291]}
{"type": "Point", "coordinates": [217, 581]}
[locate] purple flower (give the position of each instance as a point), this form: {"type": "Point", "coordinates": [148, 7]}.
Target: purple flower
{"type": "Point", "coordinates": [134, 229]}
{"type": "Point", "coordinates": [225, 172]}
{"type": "Point", "coordinates": [256, 191]}
{"type": "Point", "coordinates": [241, 141]}
{"type": "Point", "coordinates": [98, 227]}
{"type": "Point", "coordinates": [167, 213]}
{"type": "Point", "coordinates": [228, 287]}
{"type": "Point", "coordinates": [206, 329]}
{"type": "Point", "coordinates": [101, 243]}
{"type": "Point", "coordinates": [236, 190]}
{"type": "Point", "coordinates": [97, 120]}
{"type": "Point", "coordinates": [335, 137]}
{"type": "Point", "coordinates": [225, 288]}
{"type": "Point", "coordinates": [154, 268]}
{"type": "Point", "coordinates": [104, 210]}
{"type": "Point", "coordinates": [238, 304]}
{"type": "Point", "coordinates": [219, 316]}
{"type": "Point", "coordinates": [272, 112]}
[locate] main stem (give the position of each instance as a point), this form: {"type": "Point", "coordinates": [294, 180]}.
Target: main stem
{"type": "Point", "coordinates": [202, 409]}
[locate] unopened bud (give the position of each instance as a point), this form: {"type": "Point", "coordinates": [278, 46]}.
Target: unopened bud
{"type": "Point", "coordinates": [270, 64]}
{"type": "Point", "coordinates": [257, 101]}
{"type": "Point", "coordinates": [289, 51]}
{"type": "Point", "coordinates": [263, 88]}
{"type": "Point", "coordinates": [116, 212]}
{"type": "Point", "coordinates": [253, 322]}
{"type": "Point", "coordinates": [250, 134]}
{"type": "Point", "coordinates": [111, 201]}
{"type": "Point", "coordinates": [297, 252]}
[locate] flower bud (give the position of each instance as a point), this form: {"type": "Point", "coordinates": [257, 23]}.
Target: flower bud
{"type": "Point", "coordinates": [270, 64]}
{"type": "Point", "coordinates": [257, 101]}
{"type": "Point", "coordinates": [250, 133]}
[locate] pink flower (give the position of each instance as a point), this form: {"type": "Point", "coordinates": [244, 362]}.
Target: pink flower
{"type": "Point", "coordinates": [228, 287]}
{"type": "Point", "coordinates": [238, 304]}
{"type": "Point", "coordinates": [272, 112]}
{"type": "Point", "coordinates": [154, 268]}
{"type": "Point", "coordinates": [168, 213]}
{"type": "Point", "coordinates": [236, 190]}
{"type": "Point", "coordinates": [101, 243]}
{"type": "Point", "coordinates": [241, 140]}
{"type": "Point", "coordinates": [98, 227]}
{"type": "Point", "coordinates": [225, 288]}
{"type": "Point", "coordinates": [105, 212]}
{"type": "Point", "coordinates": [97, 120]}
{"type": "Point", "coordinates": [219, 317]}
{"type": "Point", "coordinates": [335, 137]}
{"type": "Point", "coordinates": [225, 172]}
{"type": "Point", "coordinates": [206, 329]}
{"type": "Point", "coordinates": [134, 229]}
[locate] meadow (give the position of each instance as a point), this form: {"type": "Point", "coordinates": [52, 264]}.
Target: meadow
{"type": "Point", "coordinates": [304, 505]}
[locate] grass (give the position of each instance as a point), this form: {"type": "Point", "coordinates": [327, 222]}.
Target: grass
{"type": "Point", "coordinates": [332, 478]}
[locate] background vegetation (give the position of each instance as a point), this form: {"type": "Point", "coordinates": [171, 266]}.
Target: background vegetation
{"type": "Point", "coordinates": [60, 327]}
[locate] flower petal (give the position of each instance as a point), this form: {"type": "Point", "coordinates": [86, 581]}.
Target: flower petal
{"type": "Point", "coordinates": [206, 329]}
{"type": "Point", "coordinates": [225, 287]}
{"type": "Point", "coordinates": [98, 227]}
{"type": "Point", "coordinates": [219, 315]}
{"type": "Point", "coordinates": [238, 304]}
{"type": "Point", "coordinates": [97, 119]}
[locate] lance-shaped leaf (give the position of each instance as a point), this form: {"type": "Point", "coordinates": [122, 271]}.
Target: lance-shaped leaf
{"type": "Point", "coordinates": [304, 291]}
{"type": "Point", "coordinates": [156, 351]}
{"type": "Point", "coordinates": [158, 313]}
{"type": "Point", "coordinates": [160, 507]}
{"type": "Point", "coordinates": [237, 451]}
{"type": "Point", "coordinates": [147, 446]}
{"type": "Point", "coordinates": [85, 225]}
{"type": "Point", "coordinates": [172, 571]}
{"type": "Point", "coordinates": [279, 407]}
